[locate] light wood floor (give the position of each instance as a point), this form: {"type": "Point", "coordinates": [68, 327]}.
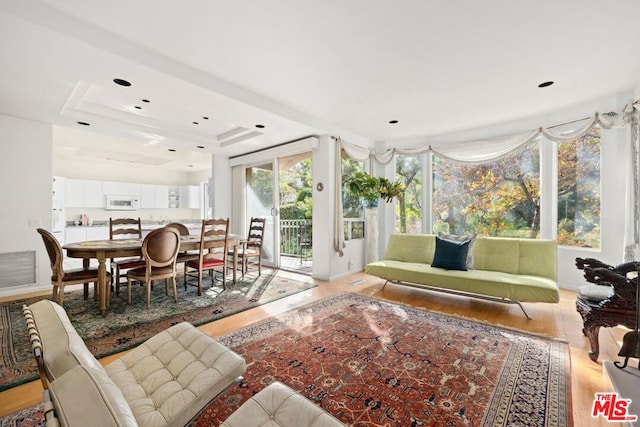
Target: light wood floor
{"type": "Point", "coordinates": [554, 320]}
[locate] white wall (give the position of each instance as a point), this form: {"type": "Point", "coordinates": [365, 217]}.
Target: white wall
{"type": "Point", "coordinates": [25, 186]}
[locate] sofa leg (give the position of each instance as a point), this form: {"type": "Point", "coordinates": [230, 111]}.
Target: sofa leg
{"type": "Point", "coordinates": [385, 284]}
{"type": "Point", "coordinates": [522, 308]}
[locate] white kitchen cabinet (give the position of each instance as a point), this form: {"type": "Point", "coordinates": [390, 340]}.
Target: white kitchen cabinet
{"type": "Point", "coordinates": [154, 196]}
{"type": "Point", "coordinates": [147, 196]}
{"type": "Point", "coordinates": [121, 188]}
{"type": "Point", "coordinates": [83, 193]}
{"type": "Point", "coordinates": [93, 195]}
{"type": "Point", "coordinates": [190, 197]}
{"type": "Point", "coordinates": [74, 193]}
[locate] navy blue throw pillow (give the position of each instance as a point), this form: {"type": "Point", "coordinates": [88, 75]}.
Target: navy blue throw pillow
{"type": "Point", "coordinates": [450, 255]}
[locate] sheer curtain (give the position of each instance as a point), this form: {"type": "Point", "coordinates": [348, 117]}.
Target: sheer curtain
{"type": "Point", "coordinates": [495, 148]}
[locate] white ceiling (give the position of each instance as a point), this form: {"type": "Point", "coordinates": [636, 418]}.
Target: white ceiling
{"type": "Point", "coordinates": [301, 67]}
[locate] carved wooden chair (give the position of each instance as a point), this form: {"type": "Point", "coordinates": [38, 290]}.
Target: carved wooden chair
{"type": "Point", "coordinates": [252, 247]}
{"type": "Point", "coordinates": [212, 253]}
{"type": "Point", "coordinates": [124, 228]}
{"type": "Point", "coordinates": [608, 303]}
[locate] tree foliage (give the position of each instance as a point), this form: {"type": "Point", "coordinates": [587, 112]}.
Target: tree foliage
{"type": "Point", "coordinates": [579, 191]}
{"type": "Point", "coordinates": [498, 198]}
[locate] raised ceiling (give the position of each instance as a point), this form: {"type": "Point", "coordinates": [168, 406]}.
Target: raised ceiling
{"type": "Point", "coordinates": [263, 73]}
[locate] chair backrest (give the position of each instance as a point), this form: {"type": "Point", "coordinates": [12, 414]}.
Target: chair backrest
{"type": "Point", "coordinates": [213, 239]}
{"type": "Point", "coordinates": [256, 232]}
{"type": "Point", "coordinates": [127, 228]}
{"type": "Point", "coordinates": [54, 250]}
{"type": "Point", "coordinates": [160, 247]}
{"type": "Point", "coordinates": [182, 229]}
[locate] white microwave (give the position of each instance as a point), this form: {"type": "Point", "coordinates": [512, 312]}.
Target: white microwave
{"type": "Point", "coordinates": [122, 203]}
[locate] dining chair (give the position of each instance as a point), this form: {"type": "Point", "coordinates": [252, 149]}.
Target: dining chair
{"type": "Point", "coordinates": [182, 229]}
{"type": "Point", "coordinates": [124, 228]}
{"type": "Point", "coordinates": [183, 256]}
{"type": "Point", "coordinates": [61, 277]}
{"type": "Point", "coordinates": [212, 253]}
{"type": "Point", "coordinates": [159, 251]}
{"type": "Point", "coordinates": [252, 247]}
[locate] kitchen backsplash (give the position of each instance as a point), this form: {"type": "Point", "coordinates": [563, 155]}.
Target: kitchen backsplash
{"type": "Point", "coordinates": [101, 215]}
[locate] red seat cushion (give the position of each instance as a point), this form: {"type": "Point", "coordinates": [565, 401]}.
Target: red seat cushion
{"type": "Point", "coordinates": [208, 263]}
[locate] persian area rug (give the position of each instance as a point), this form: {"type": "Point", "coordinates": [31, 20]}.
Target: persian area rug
{"type": "Point", "coordinates": [125, 326]}
{"type": "Point", "coordinates": [374, 363]}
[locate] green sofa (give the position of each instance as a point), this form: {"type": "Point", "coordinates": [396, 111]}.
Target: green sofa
{"type": "Point", "coordinates": [504, 269]}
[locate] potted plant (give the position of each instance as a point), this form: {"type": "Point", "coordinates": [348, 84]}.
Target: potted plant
{"type": "Point", "coordinates": [371, 189]}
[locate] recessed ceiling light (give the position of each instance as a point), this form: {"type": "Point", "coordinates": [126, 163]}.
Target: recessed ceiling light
{"type": "Point", "coordinates": [196, 123]}
{"type": "Point", "coordinates": [199, 146]}
{"type": "Point", "coordinates": [205, 117]}
{"type": "Point", "coordinates": [137, 107]}
{"type": "Point", "coordinates": [84, 123]}
{"type": "Point", "coordinates": [121, 82]}
{"type": "Point", "coordinates": [260, 126]}
{"type": "Point", "coordinates": [172, 150]}
{"type": "Point", "coordinates": [145, 100]}
{"type": "Point", "coordinates": [545, 84]}
{"type": "Point", "coordinates": [393, 122]}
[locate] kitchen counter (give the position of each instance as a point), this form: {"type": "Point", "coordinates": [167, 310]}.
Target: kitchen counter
{"type": "Point", "coordinates": [146, 225]}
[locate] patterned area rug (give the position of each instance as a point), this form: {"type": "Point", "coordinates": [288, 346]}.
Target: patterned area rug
{"type": "Point", "coordinates": [125, 326]}
{"type": "Point", "coordinates": [374, 363]}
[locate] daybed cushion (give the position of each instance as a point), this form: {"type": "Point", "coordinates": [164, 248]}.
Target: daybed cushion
{"type": "Point", "coordinates": [279, 406]}
{"type": "Point", "coordinates": [524, 288]}
{"type": "Point", "coordinates": [87, 397]}
{"type": "Point", "coordinates": [171, 376]}
{"type": "Point", "coordinates": [63, 349]}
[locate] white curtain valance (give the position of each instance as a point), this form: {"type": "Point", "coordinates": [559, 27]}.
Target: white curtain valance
{"type": "Point", "coordinates": [492, 149]}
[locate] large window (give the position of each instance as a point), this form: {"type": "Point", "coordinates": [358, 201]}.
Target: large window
{"type": "Point", "coordinates": [579, 191]}
{"type": "Point", "coordinates": [352, 209]}
{"type": "Point", "coordinates": [497, 198]}
{"type": "Point", "coordinates": [409, 204]}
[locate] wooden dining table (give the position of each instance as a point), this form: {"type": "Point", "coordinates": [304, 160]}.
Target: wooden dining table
{"type": "Point", "coordinates": [121, 248]}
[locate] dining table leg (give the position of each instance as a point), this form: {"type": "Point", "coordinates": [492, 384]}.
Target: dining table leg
{"type": "Point", "coordinates": [235, 262]}
{"type": "Point", "coordinates": [103, 284]}
{"type": "Point", "coordinates": [85, 265]}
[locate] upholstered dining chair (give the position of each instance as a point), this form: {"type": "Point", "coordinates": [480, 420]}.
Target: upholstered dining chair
{"type": "Point", "coordinates": [124, 228]}
{"type": "Point", "coordinates": [159, 250]}
{"type": "Point", "coordinates": [61, 277]}
{"type": "Point", "coordinates": [212, 253]}
{"type": "Point", "coordinates": [183, 256]}
{"type": "Point", "coordinates": [252, 247]}
{"type": "Point", "coordinates": [182, 229]}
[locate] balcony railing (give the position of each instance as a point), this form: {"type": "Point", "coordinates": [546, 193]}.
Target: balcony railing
{"type": "Point", "coordinates": [295, 237]}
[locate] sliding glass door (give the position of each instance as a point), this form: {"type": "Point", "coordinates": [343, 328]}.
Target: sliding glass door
{"type": "Point", "coordinates": [262, 200]}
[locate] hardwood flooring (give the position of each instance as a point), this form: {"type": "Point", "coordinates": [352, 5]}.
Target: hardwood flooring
{"type": "Point", "coordinates": [559, 321]}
